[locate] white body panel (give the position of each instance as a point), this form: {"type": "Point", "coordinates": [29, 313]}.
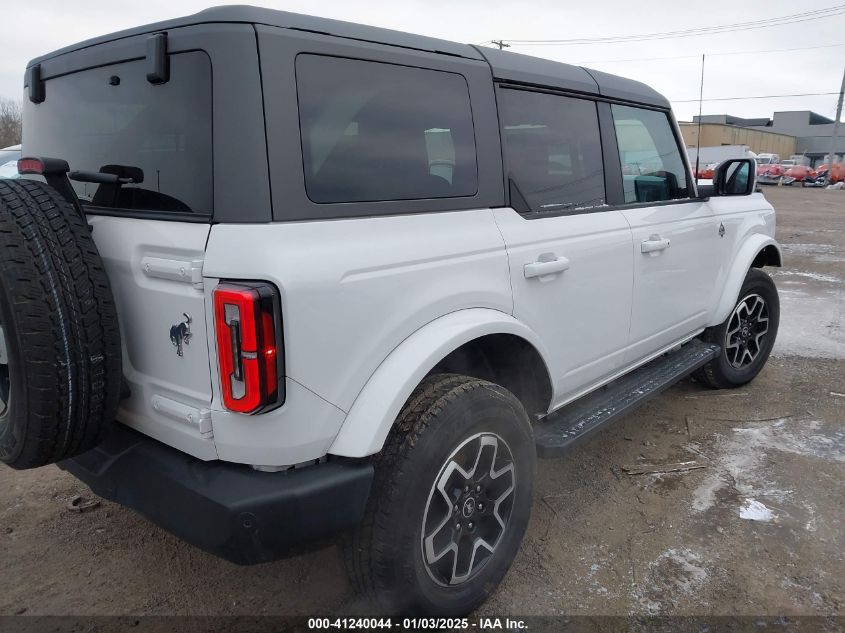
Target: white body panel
{"type": "Point", "coordinates": [581, 313]}
{"type": "Point", "coordinates": [351, 292]}
{"type": "Point", "coordinates": [372, 415]}
{"type": "Point", "coordinates": [749, 227]}
{"type": "Point", "coordinates": [674, 273]}
{"type": "Point", "coordinates": [144, 260]}
{"type": "Point", "coordinates": [370, 305]}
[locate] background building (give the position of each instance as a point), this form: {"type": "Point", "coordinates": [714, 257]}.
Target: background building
{"type": "Point", "coordinates": [716, 134]}
{"type": "Point", "coordinates": [786, 133]}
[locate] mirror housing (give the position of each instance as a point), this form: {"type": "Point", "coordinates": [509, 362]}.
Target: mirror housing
{"type": "Point", "coordinates": [734, 177]}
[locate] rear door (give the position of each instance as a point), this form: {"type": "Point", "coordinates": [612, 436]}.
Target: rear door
{"type": "Point", "coordinates": [570, 255]}
{"type": "Point", "coordinates": [101, 113]}
{"type": "Point", "coordinates": [675, 236]}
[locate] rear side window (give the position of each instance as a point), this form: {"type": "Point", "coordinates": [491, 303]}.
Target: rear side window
{"type": "Point", "coordinates": [374, 132]}
{"type": "Point", "coordinates": [111, 118]}
{"type": "Point", "coordinates": [652, 167]}
{"type": "Point", "coordinates": [553, 150]}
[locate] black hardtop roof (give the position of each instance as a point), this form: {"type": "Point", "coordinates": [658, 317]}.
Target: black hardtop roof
{"type": "Point", "coordinates": [505, 65]}
{"type": "Point", "coordinates": [518, 68]}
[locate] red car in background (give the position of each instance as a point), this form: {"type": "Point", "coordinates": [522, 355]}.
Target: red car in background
{"type": "Point", "coordinates": [769, 169]}
{"type": "Point", "coordinates": [837, 174]}
{"type": "Point", "coordinates": [801, 173]}
{"type": "Point", "coordinates": [769, 173]}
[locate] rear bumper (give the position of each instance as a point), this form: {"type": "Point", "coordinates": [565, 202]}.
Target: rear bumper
{"type": "Point", "coordinates": [229, 510]}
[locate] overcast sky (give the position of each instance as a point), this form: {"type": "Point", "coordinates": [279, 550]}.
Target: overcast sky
{"type": "Point", "coordinates": [33, 28]}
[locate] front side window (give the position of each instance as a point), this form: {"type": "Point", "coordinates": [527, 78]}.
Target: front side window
{"type": "Point", "coordinates": [374, 132]}
{"type": "Point", "coordinates": [553, 150]}
{"type": "Point", "coordinates": [652, 167]}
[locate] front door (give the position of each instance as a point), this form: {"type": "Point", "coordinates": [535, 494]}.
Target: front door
{"type": "Point", "coordinates": [569, 254]}
{"type": "Point", "coordinates": [675, 237]}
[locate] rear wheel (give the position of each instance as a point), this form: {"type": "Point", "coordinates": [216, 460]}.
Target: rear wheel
{"type": "Point", "coordinates": [60, 351]}
{"type": "Point", "coordinates": [450, 502]}
{"type": "Point", "coordinates": [746, 337]}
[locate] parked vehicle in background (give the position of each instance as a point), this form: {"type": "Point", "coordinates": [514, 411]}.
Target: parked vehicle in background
{"type": "Point", "coordinates": [709, 157]}
{"type": "Point", "coordinates": [9, 157]}
{"type": "Point", "coordinates": [800, 159]}
{"type": "Point", "coordinates": [768, 159]}
{"type": "Point", "coordinates": [837, 174]}
{"type": "Point", "coordinates": [338, 280]}
{"type": "Point", "coordinates": [800, 173]}
{"type": "Point", "coordinates": [769, 169]}
{"type": "Point", "coordinates": [719, 153]}
{"type": "Point", "coordinates": [9, 153]}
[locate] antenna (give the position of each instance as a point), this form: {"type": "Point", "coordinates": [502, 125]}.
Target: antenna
{"type": "Point", "coordinates": [698, 136]}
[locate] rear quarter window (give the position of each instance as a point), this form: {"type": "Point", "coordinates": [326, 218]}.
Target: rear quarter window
{"type": "Point", "coordinates": [376, 132]}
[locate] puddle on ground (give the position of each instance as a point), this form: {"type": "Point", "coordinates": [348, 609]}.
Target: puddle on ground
{"type": "Point", "coordinates": [674, 573]}
{"type": "Point", "coordinates": [825, 253]}
{"type": "Point", "coordinates": [832, 279]}
{"type": "Point", "coordinates": [739, 472]}
{"type": "Point", "coordinates": [812, 313]}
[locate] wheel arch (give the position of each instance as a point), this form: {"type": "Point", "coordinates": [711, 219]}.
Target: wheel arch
{"type": "Point", "coordinates": [769, 255]}
{"type": "Point", "coordinates": [479, 342]}
{"type": "Point", "coordinates": [756, 252]}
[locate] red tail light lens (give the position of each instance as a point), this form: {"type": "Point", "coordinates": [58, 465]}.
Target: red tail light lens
{"type": "Point", "coordinates": [248, 327]}
{"type": "Point", "coordinates": [30, 166]}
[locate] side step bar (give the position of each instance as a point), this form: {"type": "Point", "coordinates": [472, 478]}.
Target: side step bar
{"type": "Point", "coordinates": [575, 422]}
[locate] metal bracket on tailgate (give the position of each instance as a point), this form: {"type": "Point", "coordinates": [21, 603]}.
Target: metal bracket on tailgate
{"type": "Point", "coordinates": [174, 269]}
{"type": "Point", "coordinates": [197, 418]}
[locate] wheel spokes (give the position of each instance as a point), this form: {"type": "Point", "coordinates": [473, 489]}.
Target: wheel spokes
{"type": "Point", "coordinates": [468, 509]}
{"type": "Point", "coordinates": [5, 385]}
{"type": "Point", "coordinates": [746, 330]}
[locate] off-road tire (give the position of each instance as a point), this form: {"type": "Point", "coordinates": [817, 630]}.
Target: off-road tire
{"type": "Point", "coordinates": [719, 373]}
{"type": "Point", "coordinates": [59, 321]}
{"type": "Point", "coordinates": [384, 556]}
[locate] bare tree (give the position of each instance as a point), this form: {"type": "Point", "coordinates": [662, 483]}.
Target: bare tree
{"type": "Point", "coordinates": [10, 122]}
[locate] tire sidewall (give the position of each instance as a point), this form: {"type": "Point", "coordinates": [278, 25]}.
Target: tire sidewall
{"type": "Point", "coordinates": [757, 282]}
{"type": "Point", "coordinates": [484, 409]}
{"type": "Point", "coordinates": [13, 421]}
{"type": "Point", "coordinates": [61, 327]}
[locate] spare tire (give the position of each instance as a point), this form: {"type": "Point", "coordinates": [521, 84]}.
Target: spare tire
{"type": "Point", "coordinates": [60, 352]}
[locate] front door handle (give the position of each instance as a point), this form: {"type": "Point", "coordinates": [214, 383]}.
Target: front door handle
{"type": "Point", "coordinates": [653, 244]}
{"type": "Point", "coordinates": [546, 269]}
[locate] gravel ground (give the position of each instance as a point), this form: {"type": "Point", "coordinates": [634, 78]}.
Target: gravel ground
{"type": "Point", "coordinates": [757, 531]}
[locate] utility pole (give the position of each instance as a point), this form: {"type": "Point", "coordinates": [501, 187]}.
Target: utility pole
{"type": "Point", "coordinates": [835, 130]}
{"type": "Point", "coordinates": [698, 134]}
{"type": "Point", "coordinates": [501, 44]}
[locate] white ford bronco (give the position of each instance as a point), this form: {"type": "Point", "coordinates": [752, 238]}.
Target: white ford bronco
{"type": "Point", "coordinates": [270, 279]}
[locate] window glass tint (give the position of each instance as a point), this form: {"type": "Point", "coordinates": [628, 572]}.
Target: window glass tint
{"type": "Point", "coordinates": [106, 118]}
{"type": "Point", "coordinates": [652, 167]}
{"type": "Point", "coordinates": [373, 131]}
{"type": "Point", "coordinates": [553, 150]}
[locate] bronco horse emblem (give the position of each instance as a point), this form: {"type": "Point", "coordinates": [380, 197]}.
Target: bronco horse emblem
{"type": "Point", "coordinates": [181, 334]}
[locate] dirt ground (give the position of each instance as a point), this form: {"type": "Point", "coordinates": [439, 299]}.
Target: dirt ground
{"type": "Point", "coordinates": [759, 530]}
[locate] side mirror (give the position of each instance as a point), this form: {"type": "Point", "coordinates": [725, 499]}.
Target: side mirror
{"type": "Point", "coordinates": [735, 177]}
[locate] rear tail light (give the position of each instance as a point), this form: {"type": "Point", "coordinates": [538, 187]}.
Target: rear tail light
{"type": "Point", "coordinates": [30, 166]}
{"type": "Point", "coordinates": [249, 346]}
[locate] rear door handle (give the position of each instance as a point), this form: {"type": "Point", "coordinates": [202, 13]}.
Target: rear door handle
{"type": "Point", "coordinates": [546, 270]}
{"type": "Point", "coordinates": [653, 244]}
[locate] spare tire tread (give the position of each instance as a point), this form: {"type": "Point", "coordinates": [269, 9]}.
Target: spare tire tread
{"type": "Point", "coordinates": [67, 333]}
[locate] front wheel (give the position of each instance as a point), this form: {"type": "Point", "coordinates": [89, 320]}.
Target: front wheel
{"type": "Point", "coordinates": [746, 336]}
{"type": "Point", "coordinates": [450, 501]}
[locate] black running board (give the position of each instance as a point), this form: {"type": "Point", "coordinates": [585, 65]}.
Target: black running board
{"type": "Point", "coordinates": [575, 422]}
